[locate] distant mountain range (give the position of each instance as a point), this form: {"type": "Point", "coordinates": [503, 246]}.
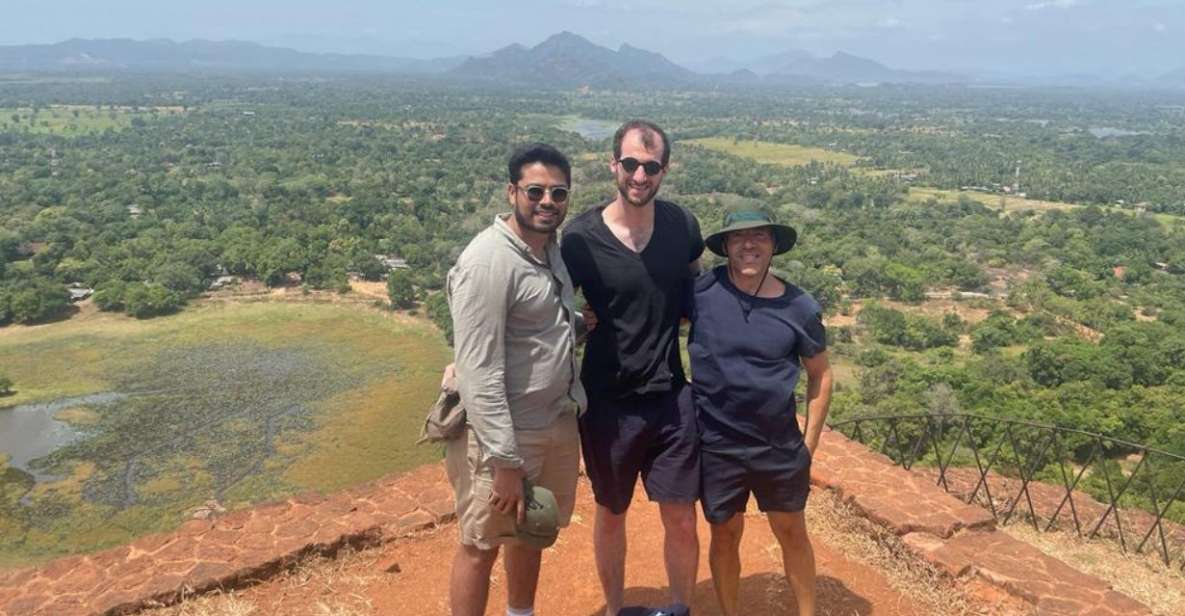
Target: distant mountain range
{"type": "Point", "coordinates": [198, 55]}
{"type": "Point", "coordinates": [569, 59]}
{"type": "Point", "coordinates": [564, 60]}
{"type": "Point", "coordinates": [799, 65]}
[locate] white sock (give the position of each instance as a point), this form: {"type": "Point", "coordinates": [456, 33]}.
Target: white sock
{"type": "Point", "coordinates": [529, 611]}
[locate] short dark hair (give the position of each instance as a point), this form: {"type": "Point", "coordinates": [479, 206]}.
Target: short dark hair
{"type": "Point", "coordinates": [649, 129]}
{"type": "Point", "coordinates": [537, 153]}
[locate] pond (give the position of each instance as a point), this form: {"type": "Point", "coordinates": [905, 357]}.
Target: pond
{"type": "Point", "coordinates": [31, 431]}
{"type": "Point", "coordinates": [593, 130]}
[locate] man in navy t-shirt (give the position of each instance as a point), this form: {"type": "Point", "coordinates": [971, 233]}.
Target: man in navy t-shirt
{"type": "Point", "coordinates": [750, 334]}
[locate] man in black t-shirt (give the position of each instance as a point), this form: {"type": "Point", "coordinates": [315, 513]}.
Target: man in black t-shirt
{"type": "Point", "coordinates": [634, 259]}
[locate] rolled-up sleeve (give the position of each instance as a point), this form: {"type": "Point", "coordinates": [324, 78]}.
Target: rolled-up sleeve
{"type": "Point", "coordinates": [479, 298]}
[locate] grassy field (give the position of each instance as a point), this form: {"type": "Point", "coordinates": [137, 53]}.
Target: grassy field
{"type": "Point", "coordinates": [228, 401]}
{"type": "Point", "coordinates": [920, 194]}
{"type": "Point", "coordinates": [74, 119]}
{"type": "Point", "coordinates": [773, 153]}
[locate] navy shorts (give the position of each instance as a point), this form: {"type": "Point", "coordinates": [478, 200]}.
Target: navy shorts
{"type": "Point", "coordinates": [780, 479]}
{"type": "Point", "coordinates": [654, 435]}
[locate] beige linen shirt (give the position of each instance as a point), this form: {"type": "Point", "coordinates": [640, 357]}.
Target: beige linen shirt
{"type": "Point", "coordinates": [515, 324]}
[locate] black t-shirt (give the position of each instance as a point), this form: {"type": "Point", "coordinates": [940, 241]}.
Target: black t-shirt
{"type": "Point", "coordinates": [637, 297]}
{"type": "Point", "coordinates": [745, 354]}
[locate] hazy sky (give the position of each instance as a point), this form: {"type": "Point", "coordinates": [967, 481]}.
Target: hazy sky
{"type": "Point", "coordinates": [1110, 36]}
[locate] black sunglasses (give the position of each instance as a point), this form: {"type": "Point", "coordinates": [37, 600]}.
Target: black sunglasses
{"type": "Point", "coordinates": [651, 167]}
{"type": "Point", "coordinates": [535, 192]}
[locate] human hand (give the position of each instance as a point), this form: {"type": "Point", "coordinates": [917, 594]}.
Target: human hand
{"type": "Point", "coordinates": [448, 380]}
{"type": "Point", "coordinates": [507, 494]}
{"type": "Point", "coordinates": [812, 445]}
{"type": "Point", "coordinates": [590, 317]}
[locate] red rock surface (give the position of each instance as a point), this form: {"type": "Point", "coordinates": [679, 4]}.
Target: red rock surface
{"type": "Point", "coordinates": [960, 539]}
{"type": "Point", "coordinates": [1046, 499]}
{"type": "Point", "coordinates": [244, 547]}
{"type": "Point", "coordinates": [228, 551]}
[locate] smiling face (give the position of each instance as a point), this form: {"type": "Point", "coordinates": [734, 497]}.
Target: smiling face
{"type": "Point", "coordinates": [749, 251]}
{"type": "Point", "coordinates": [637, 188]}
{"type": "Point", "coordinates": [542, 216]}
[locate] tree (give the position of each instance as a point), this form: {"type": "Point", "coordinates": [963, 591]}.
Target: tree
{"type": "Point", "coordinates": [145, 301]}
{"type": "Point", "coordinates": [437, 309]}
{"type": "Point", "coordinates": [400, 289]}
{"type": "Point", "coordinates": [5, 385]}
{"type": "Point", "coordinates": [38, 300]}
{"type": "Point", "coordinates": [109, 296]}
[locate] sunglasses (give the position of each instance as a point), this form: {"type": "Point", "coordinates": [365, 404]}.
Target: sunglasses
{"type": "Point", "coordinates": [651, 167]}
{"type": "Point", "coordinates": [535, 192]}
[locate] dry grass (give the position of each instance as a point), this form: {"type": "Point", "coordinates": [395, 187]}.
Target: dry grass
{"type": "Point", "coordinates": [325, 586]}
{"type": "Point", "coordinates": [1143, 577]}
{"type": "Point", "coordinates": [219, 604]}
{"type": "Point", "coordinates": [842, 529]}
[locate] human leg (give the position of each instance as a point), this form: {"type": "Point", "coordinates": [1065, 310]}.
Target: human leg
{"type": "Point", "coordinates": [724, 558]}
{"type": "Point", "coordinates": [798, 558]}
{"type": "Point", "coordinates": [609, 546]}
{"type": "Point", "coordinates": [680, 549]}
{"type": "Point", "coordinates": [522, 575]}
{"type": "Point", "coordinates": [671, 476]}
{"type": "Point", "coordinates": [469, 583]}
{"type": "Point", "coordinates": [614, 437]}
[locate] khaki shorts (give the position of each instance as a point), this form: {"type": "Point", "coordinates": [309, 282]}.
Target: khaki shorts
{"type": "Point", "coordinates": [551, 459]}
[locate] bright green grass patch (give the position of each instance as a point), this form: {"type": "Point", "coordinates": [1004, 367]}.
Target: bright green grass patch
{"type": "Point", "coordinates": [75, 119]}
{"type": "Point", "coordinates": [238, 402]}
{"type": "Point", "coordinates": [920, 194]}
{"type": "Point", "coordinates": [774, 153]}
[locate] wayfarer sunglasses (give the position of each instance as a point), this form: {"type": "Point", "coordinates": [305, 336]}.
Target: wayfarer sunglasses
{"type": "Point", "coordinates": [651, 167]}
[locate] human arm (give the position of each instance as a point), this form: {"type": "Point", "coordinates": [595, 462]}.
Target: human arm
{"type": "Point", "coordinates": [479, 299]}
{"type": "Point", "coordinates": [818, 396]}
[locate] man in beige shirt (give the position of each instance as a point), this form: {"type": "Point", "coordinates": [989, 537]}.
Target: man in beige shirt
{"type": "Point", "coordinates": [515, 325]}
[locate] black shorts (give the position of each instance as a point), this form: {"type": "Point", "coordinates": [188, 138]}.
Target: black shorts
{"type": "Point", "coordinates": [780, 479]}
{"type": "Point", "coordinates": [655, 435]}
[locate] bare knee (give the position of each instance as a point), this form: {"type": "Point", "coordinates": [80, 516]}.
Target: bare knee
{"type": "Point", "coordinates": [729, 533]}
{"type": "Point", "coordinates": [609, 523]}
{"type": "Point", "coordinates": [679, 520]}
{"type": "Point", "coordinates": [789, 528]}
{"type": "Point", "coordinates": [476, 559]}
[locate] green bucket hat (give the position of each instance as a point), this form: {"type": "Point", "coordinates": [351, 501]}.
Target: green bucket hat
{"type": "Point", "coordinates": [784, 236]}
{"type": "Point", "coordinates": [541, 526]}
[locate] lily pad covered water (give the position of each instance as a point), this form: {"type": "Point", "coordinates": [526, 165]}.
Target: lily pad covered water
{"type": "Point", "coordinates": [233, 403]}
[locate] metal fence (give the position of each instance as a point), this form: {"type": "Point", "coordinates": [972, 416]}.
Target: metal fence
{"type": "Point", "coordinates": [1048, 474]}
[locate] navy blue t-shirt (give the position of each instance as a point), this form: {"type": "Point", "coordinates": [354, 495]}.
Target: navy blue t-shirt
{"type": "Point", "coordinates": [745, 361]}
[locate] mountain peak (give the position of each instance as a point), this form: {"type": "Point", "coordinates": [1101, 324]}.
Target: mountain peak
{"type": "Point", "coordinates": [565, 39]}
{"type": "Point", "coordinates": [567, 58]}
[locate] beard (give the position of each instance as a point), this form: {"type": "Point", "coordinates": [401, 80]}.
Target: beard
{"type": "Point", "coordinates": [623, 188]}
{"type": "Point", "coordinates": [525, 221]}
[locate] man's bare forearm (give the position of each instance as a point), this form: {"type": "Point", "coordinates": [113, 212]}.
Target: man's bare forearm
{"type": "Point", "coordinates": [818, 402]}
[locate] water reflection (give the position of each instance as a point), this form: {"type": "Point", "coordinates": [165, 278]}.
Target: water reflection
{"type": "Point", "coordinates": [30, 431]}
{"type": "Point", "coordinates": [593, 130]}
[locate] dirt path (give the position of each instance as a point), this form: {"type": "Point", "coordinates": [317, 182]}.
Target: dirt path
{"type": "Point", "coordinates": [410, 577]}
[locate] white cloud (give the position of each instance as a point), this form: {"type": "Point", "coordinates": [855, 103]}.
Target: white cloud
{"type": "Point", "coordinates": [892, 22]}
{"type": "Point", "coordinates": [1159, 27]}
{"type": "Point", "coordinates": [1051, 4]}
{"type": "Point", "coordinates": [768, 20]}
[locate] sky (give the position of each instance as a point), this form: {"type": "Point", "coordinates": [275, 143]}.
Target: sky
{"type": "Point", "coordinates": [1108, 37]}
